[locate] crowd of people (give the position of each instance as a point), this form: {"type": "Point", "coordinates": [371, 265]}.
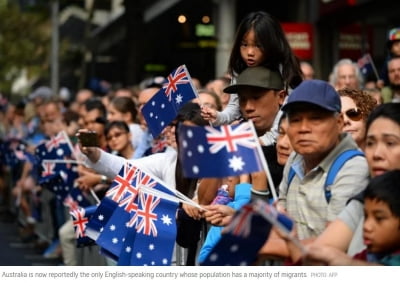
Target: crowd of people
{"type": "Point", "coordinates": [332, 148]}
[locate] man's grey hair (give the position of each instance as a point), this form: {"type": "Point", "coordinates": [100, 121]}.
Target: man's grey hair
{"type": "Point", "coordinates": [333, 77]}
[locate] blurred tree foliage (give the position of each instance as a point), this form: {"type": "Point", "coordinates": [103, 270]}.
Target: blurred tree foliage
{"type": "Point", "coordinates": [25, 38]}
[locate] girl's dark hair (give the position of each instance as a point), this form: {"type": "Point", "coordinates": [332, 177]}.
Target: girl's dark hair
{"type": "Point", "coordinates": [389, 110]}
{"type": "Point", "coordinates": [117, 124]}
{"type": "Point", "coordinates": [125, 105]}
{"type": "Point", "coordinates": [385, 188]}
{"type": "Point", "coordinates": [274, 44]}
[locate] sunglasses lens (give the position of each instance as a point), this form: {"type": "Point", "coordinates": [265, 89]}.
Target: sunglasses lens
{"type": "Point", "coordinates": [354, 114]}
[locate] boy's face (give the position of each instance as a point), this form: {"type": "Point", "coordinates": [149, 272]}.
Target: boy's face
{"type": "Point", "coordinates": [395, 50]}
{"type": "Point", "coordinates": [381, 229]}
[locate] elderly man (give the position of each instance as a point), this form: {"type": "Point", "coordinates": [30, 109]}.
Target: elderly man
{"type": "Point", "coordinates": [315, 131]}
{"type": "Point", "coordinates": [346, 73]}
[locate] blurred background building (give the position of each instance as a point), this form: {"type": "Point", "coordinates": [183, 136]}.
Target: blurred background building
{"type": "Point", "coordinates": [125, 41]}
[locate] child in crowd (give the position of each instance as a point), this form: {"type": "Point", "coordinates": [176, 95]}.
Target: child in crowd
{"type": "Point", "coordinates": [381, 229]}
{"type": "Point", "coordinates": [259, 40]}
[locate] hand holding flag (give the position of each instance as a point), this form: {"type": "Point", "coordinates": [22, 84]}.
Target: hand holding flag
{"type": "Point", "coordinates": [135, 222]}
{"type": "Point", "coordinates": [222, 151]}
{"type": "Point", "coordinates": [244, 236]}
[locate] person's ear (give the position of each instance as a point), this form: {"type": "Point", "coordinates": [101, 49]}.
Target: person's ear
{"type": "Point", "coordinates": [282, 95]}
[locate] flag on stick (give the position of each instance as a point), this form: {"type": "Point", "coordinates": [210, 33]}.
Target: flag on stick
{"type": "Point", "coordinates": [163, 107]}
{"type": "Point", "coordinates": [366, 64]}
{"type": "Point", "coordinates": [220, 151]}
{"type": "Point", "coordinates": [135, 222]}
{"type": "Point", "coordinates": [249, 229]}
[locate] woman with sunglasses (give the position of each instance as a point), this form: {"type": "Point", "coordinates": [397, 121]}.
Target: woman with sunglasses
{"type": "Point", "coordinates": [119, 139]}
{"type": "Point", "coordinates": [356, 106]}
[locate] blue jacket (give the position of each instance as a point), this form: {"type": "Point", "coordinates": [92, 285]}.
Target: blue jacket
{"type": "Point", "coordinates": [242, 197]}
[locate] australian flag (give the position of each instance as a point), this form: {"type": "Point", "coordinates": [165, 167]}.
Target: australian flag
{"type": "Point", "coordinates": [249, 229]}
{"type": "Point", "coordinates": [56, 148]}
{"type": "Point", "coordinates": [58, 184]}
{"type": "Point", "coordinates": [366, 64]}
{"type": "Point", "coordinates": [163, 107]}
{"type": "Point", "coordinates": [132, 226]}
{"type": "Point", "coordinates": [222, 151]}
{"type": "Point", "coordinates": [80, 217]}
{"type": "Point", "coordinates": [241, 240]}
{"type": "Point", "coordinates": [54, 174]}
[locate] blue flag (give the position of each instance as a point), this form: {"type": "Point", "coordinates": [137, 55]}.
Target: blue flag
{"type": "Point", "coordinates": [155, 237]}
{"type": "Point", "coordinates": [163, 107]}
{"type": "Point", "coordinates": [249, 229]}
{"type": "Point", "coordinates": [133, 226]}
{"type": "Point", "coordinates": [80, 217]}
{"type": "Point", "coordinates": [100, 217]}
{"type": "Point", "coordinates": [241, 240]}
{"type": "Point", "coordinates": [366, 65]}
{"type": "Point", "coordinates": [222, 151]}
{"type": "Point", "coordinates": [55, 171]}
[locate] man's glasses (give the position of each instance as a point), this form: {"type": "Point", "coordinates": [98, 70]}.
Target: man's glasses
{"type": "Point", "coordinates": [354, 114]}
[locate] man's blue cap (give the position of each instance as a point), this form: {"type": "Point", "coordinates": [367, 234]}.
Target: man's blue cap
{"type": "Point", "coordinates": [317, 92]}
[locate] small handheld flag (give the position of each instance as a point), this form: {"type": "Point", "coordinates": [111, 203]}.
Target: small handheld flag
{"type": "Point", "coordinates": [163, 107]}
{"type": "Point", "coordinates": [221, 151]}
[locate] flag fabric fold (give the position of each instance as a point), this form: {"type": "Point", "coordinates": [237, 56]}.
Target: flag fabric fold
{"type": "Point", "coordinates": [221, 151]}
{"type": "Point", "coordinates": [164, 106]}
{"type": "Point", "coordinates": [134, 226]}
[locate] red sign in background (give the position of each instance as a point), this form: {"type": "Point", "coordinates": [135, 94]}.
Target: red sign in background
{"type": "Point", "coordinates": [354, 41]}
{"type": "Point", "coordinates": [300, 37]}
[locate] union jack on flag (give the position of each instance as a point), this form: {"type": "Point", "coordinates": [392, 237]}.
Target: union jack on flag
{"type": "Point", "coordinates": [80, 218]}
{"type": "Point", "coordinates": [48, 168]}
{"type": "Point", "coordinates": [241, 224]}
{"type": "Point", "coordinates": [229, 137]}
{"type": "Point", "coordinates": [122, 183]}
{"type": "Point", "coordinates": [367, 66]}
{"type": "Point", "coordinates": [126, 208]}
{"type": "Point", "coordinates": [177, 77]}
{"type": "Point", "coordinates": [222, 151]}
{"type": "Point", "coordinates": [79, 221]}
{"type": "Point", "coordinates": [54, 142]}
{"type": "Point", "coordinates": [163, 107]}
{"type": "Point", "coordinates": [147, 214]}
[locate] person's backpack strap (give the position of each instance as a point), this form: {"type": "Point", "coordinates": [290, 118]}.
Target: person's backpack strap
{"type": "Point", "coordinates": [291, 175]}
{"type": "Point", "coordinates": [335, 167]}
{"type": "Point", "coordinates": [333, 170]}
